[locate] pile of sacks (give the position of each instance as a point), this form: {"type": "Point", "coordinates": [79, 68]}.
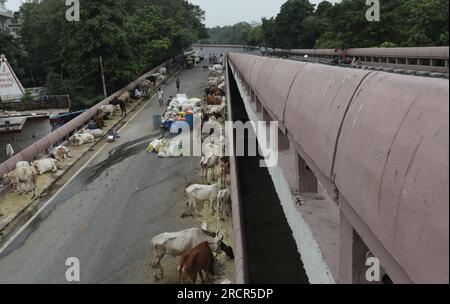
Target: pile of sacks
{"type": "Point", "coordinates": [165, 148]}
{"type": "Point", "coordinates": [182, 104]}
{"type": "Point", "coordinates": [179, 107]}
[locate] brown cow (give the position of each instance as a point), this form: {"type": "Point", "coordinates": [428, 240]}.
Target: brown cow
{"type": "Point", "coordinates": [214, 101]}
{"type": "Point", "coordinates": [196, 260]}
{"type": "Point", "coordinates": [99, 121]}
{"type": "Point", "coordinates": [212, 91]}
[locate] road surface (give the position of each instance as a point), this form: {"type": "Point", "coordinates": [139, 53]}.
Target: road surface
{"type": "Point", "coordinates": [107, 215]}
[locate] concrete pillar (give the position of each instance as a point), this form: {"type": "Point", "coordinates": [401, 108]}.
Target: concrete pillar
{"type": "Point", "coordinates": [306, 179]}
{"type": "Point", "coordinates": [283, 141]}
{"type": "Point", "coordinates": [345, 269]}
{"type": "Point", "coordinates": [266, 116]}
{"type": "Point", "coordinates": [352, 254]}
{"type": "Point", "coordinates": [259, 107]}
{"type": "Point", "coordinates": [359, 256]}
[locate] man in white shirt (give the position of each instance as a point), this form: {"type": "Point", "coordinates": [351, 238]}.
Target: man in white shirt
{"type": "Point", "coordinates": [161, 97]}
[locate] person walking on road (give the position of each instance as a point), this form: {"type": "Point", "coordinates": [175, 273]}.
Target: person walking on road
{"type": "Point", "coordinates": [161, 97]}
{"type": "Point", "coordinates": [178, 84]}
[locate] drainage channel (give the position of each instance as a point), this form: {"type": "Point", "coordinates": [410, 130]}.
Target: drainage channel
{"type": "Point", "coordinates": [271, 252]}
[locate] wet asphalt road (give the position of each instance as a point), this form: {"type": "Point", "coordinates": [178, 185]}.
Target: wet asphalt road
{"type": "Point", "coordinates": [107, 216]}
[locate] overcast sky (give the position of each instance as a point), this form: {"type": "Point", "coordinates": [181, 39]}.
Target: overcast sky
{"type": "Point", "coordinates": [223, 12]}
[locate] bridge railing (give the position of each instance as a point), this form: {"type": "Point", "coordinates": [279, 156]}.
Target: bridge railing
{"type": "Point", "coordinates": [47, 142]}
{"type": "Point", "coordinates": [432, 59]}
{"type": "Point", "coordinates": [378, 144]}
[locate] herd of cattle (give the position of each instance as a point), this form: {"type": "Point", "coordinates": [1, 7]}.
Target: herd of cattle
{"type": "Point", "coordinates": [24, 177]}
{"type": "Point", "coordinates": [196, 247]}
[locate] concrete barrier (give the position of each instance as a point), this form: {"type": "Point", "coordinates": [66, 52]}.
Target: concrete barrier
{"type": "Point", "coordinates": [381, 140]}
{"type": "Point", "coordinates": [392, 168]}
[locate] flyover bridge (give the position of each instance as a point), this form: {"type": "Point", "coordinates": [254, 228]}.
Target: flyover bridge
{"type": "Point", "coordinates": [363, 165]}
{"type": "Point", "coordinates": [362, 171]}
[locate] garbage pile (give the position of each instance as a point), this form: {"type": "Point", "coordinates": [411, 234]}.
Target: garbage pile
{"type": "Point", "coordinates": [165, 148]}
{"type": "Point", "coordinates": [181, 109]}
{"type": "Point", "coordinates": [180, 112]}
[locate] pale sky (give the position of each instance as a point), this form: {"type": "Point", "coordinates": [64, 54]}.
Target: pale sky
{"type": "Point", "coordinates": [222, 12]}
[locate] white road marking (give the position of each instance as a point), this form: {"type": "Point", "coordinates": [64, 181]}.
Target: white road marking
{"type": "Point", "coordinates": [22, 229]}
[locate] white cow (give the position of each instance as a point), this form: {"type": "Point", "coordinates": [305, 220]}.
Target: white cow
{"type": "Point", "coordinates": [209, 148]}
{"type": "Point", "coordinates": [24, 177]}
{"type": "Point", "coordinates": [177, 243]}
{"type": "Point", "coordinates": [223, 203]}
{"type": "Point", "coordinates": [81, 139]}
{"type": "Point", "coordinates": [97, 133]}
{"type": "Point", "coordinates": [22, 164]}
{"type": "Point", "coordinates": [45, 165]}
{"type": "Point", "coordinates": [196, 194]}
{"type": "Point", "coordinates": [60, 153]}
{"type": "Point", "coordinates": [110, 110]}
{"type": "Point", "coordinates": [208, 163]}
{"type": "Point", "coordinates": [163, 71]}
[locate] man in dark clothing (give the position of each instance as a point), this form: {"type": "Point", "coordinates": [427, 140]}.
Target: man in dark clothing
{"type": "Point", "coordinates": [178, 84]}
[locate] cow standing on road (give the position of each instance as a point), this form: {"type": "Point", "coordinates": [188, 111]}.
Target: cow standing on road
{"type": "Point", "coordinates": [196, 260]}
{"type": "Point", "coordinates": [177, 243]}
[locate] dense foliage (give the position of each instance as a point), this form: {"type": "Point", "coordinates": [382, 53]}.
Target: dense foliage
{"type": "Point", "coordinates": [234, 34]}
{"type": "Point", "coordinates": [240, 33]}
{"type": "Point", "coordinates": [301, 24]}
{"type": "Point", "coordinates": [132, 36]}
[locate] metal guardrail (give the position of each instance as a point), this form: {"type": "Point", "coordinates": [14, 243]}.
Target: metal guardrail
{"type": "Point", "coordinates": [431, 59]}
{"type": "Point", "coordinates": [227, 46]}
{"type": "Point", "coordinates": [68, 129]}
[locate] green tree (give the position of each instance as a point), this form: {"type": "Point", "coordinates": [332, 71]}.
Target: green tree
{"type": "Point", "coordinates": [253, 36]}
{"type": "Point", "coordinates": [267, 29]}
{"type": "Point", "coordinates": [131, 36]}
{"type": "Point", "coordinates": [290, 28]}
{"type": "Point", "coordinates": [12, 49]}
{"type": "Point", "coordinates": [236, 34]}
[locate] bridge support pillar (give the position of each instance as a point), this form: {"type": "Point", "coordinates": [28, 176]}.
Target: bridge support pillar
{"type": "Point", "coordinates": [353, 253]}
{"type": "Point", "coordinates": [307, 182]}
{"type": "Point", "coordinates": [259, 106]}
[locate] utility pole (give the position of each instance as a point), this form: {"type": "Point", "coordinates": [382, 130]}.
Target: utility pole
{"type": "Point", "coordinates": [103, 78]}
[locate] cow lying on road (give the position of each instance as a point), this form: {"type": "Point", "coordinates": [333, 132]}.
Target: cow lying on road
{"type": "Point", "coordinates": [60, 153]}
{"type": "Point", "coordinates": [45, 165]}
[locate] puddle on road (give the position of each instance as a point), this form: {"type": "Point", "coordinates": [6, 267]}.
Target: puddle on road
{"type": "Point", "coordinates": [117, 155]}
